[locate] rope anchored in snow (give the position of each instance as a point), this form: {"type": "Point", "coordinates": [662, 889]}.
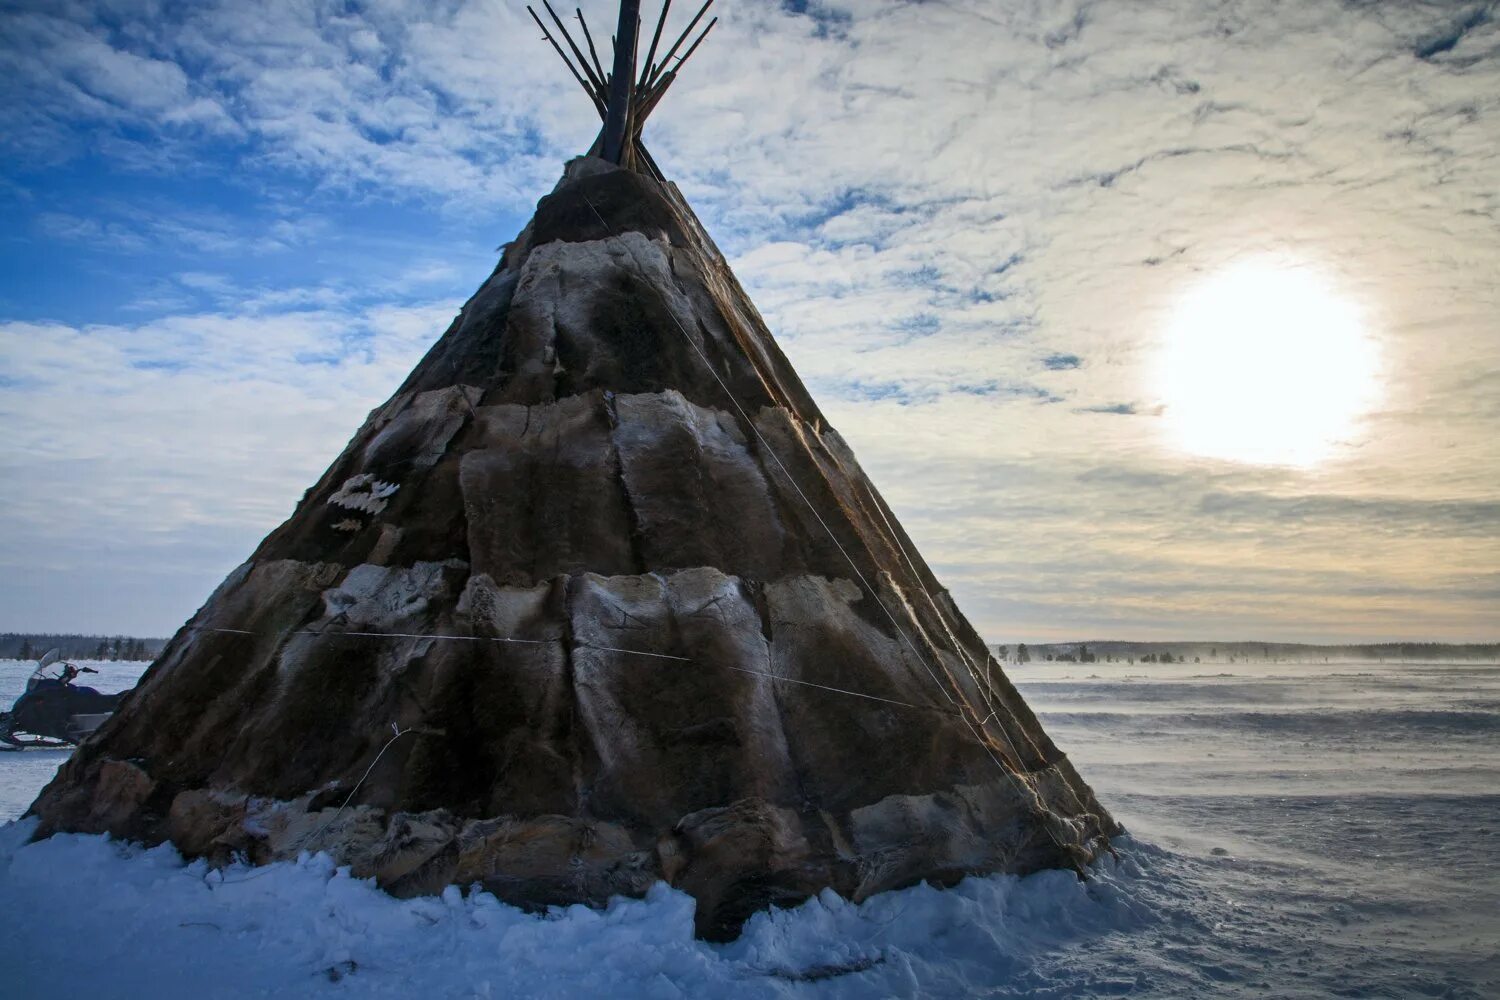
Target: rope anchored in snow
{"type": "Point", "coordinates": [314, 835]}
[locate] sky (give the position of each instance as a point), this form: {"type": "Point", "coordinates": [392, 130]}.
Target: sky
{"type": "Point", "coordinates": [994, 239]}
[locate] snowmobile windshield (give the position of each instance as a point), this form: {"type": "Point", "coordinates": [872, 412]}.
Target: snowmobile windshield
{"type": "Point", "coordinates": [46, 672]}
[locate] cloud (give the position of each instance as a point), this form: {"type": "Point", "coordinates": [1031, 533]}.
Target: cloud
{"type": "Point", "coordinates": [176, 443]}
{"type": "Point", "coordinates": [94, 232]}
{"type": "Point", "coordinates": [1446, 39]}
{"type": "Point", "coordinates": [1374, 516]}
{"type": "Point", "coordinates": [953, 215]}
{"type": "Point", "coordinates": [133, 227]}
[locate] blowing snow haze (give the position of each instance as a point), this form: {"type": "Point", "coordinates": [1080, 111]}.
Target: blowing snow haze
{"type": "Point", "coordinates": [1150, 320]}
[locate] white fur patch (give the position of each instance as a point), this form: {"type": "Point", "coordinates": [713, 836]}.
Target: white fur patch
{"type": "Point", "coordinates": [364, 493]}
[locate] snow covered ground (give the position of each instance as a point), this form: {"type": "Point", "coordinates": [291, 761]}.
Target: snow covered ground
{"type": "Point", "coordinates": [1297, 831]}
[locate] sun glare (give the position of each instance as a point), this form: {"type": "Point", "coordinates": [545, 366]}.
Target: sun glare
{"type": "Point", "coordinates": [1266, 364]}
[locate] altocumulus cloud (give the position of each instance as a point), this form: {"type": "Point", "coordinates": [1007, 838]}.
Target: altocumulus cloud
{"type": "Point", "coordinates": [951, 215]}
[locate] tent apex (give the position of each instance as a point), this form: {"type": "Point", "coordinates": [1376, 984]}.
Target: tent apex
{"type": "Point", "coordinates": [625, 97]}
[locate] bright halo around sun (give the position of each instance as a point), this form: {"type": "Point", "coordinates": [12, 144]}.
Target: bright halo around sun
{"type": "Point", "coordinates": [1268, 364]}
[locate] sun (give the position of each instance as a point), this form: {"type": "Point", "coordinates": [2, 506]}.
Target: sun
{"type": "Point", "coordinates": [1266, 363]}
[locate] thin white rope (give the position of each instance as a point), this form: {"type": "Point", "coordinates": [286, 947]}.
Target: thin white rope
{"type": "Point", "coordinates": [834, 538]}
{"type": "Point", "coordinates": [838, 690]}
{"type": "Point", "coordinates": [610, 649]}
{"type": "Point", "coordinates": [634, 652]}
{"type": "Point", "coordinates": [350, 798]}
{"type": "Point", "coordinates": [890, 529]}
{"type": "Point", "coordinates": [376, 635]}
{"type": "Point", "coordinates": [329, 633]}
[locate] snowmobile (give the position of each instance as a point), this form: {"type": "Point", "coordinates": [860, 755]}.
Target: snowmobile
{"type": "Point", "coordinates": [52, 711]}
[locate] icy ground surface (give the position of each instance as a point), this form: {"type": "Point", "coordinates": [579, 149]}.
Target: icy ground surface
{"type": "Point", "coordinates": [1298, 831]}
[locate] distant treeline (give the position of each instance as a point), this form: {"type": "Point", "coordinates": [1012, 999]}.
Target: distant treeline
{"type": "Point", "coordinates": [30, 646]}
{"type": "Point", "coordinates": [1242, 652]}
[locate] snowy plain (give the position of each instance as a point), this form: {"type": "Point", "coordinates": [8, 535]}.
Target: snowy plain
{"type": "Point", "coordinates": [1296, 830]}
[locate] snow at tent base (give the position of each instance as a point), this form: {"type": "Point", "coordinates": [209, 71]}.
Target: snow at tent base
{"type": "Point", "coordinates": [1299, 831]}
{"type": "Point", "coordinates": [129, 921]}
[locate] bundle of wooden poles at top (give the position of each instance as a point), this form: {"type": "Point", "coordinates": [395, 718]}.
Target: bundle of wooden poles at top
{"type": "Point", "coordinates": [622, 98]}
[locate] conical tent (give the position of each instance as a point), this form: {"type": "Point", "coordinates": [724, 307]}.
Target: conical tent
{"type": "Point", "coordinates": [597, 599]}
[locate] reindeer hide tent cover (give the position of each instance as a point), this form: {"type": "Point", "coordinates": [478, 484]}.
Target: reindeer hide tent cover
{"type": "Point", "coordinates": [631, 604]}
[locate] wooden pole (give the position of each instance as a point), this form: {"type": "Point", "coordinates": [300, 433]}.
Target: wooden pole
{"type": "Point", "coordinates": [622, 81]}
{"type": "Point", "coordinates": [694, 47]}
{"type": "Point", "coordinates": [587, 70]}
{"type": "Point", "coordinates": [661, 22]}
{"type": "Point", "coordinates": [681, 38]}
{"type": "Point", "coordinates": [593, 94]}
{"type": "Point", "coordinates": [590, 39]}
